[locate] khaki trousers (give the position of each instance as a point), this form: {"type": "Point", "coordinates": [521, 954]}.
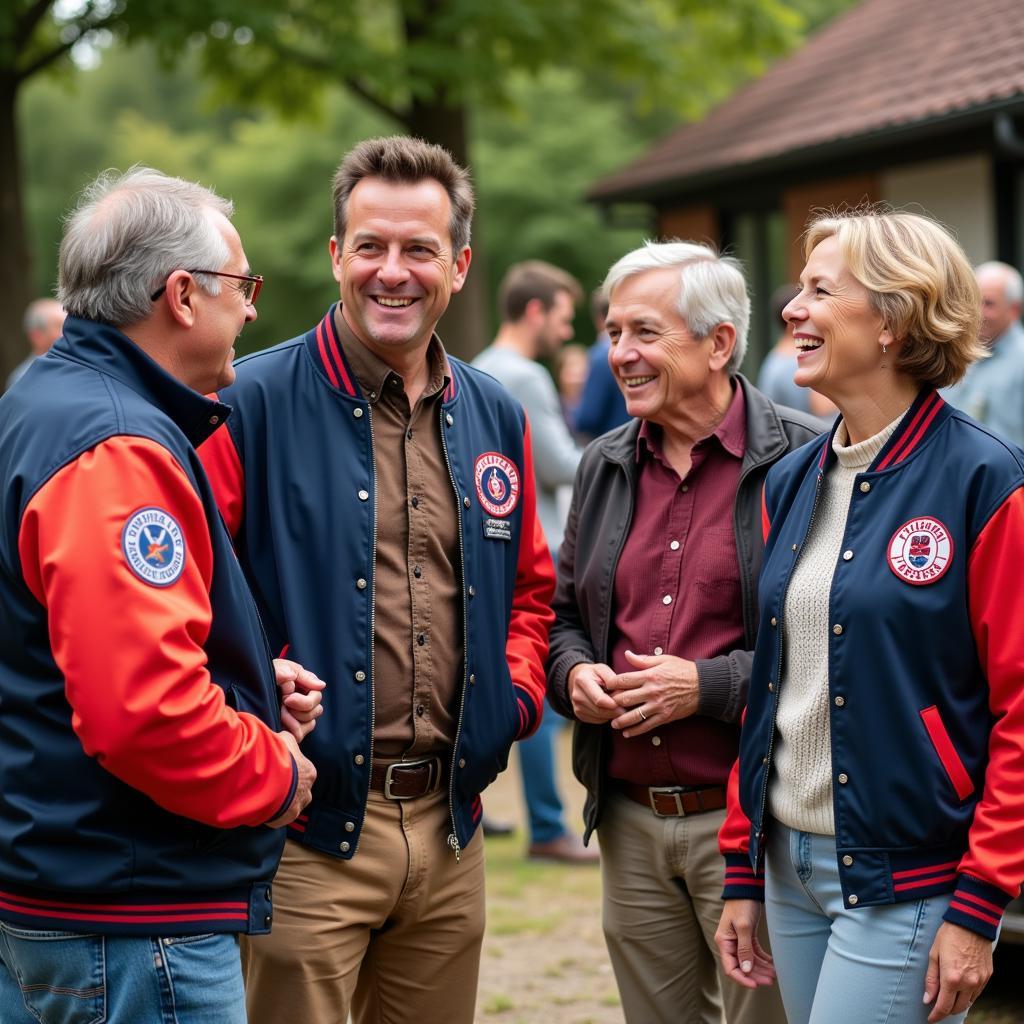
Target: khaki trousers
{"type": "Point", "coordinates": [393, 934]}
{"type": "Point", "coordinates": [662, 902]}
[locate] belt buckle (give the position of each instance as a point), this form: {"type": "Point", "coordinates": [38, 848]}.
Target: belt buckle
{"type": "Point", "coordinates": [673, 791]}
{"type": "Point", "coordinates": [431, 761]}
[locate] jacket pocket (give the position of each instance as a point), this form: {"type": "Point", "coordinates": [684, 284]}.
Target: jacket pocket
{"type": "Point", "coordinates": [947, 752]}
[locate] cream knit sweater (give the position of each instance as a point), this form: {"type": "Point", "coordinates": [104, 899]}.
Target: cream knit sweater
{"type": "Point", "coordinates": [800, 793]}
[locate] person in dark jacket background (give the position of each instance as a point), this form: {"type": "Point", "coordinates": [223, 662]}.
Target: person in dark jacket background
{"type": "Point", "coordinates": [139, 737]}
{"type": "Point", "coordinates": [655, 619]}
{"type": "Point", "coordinates": [879, 806]}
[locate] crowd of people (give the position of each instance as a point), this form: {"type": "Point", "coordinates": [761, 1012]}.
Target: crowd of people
{"type": "Point", "coordinates": [272, 626]}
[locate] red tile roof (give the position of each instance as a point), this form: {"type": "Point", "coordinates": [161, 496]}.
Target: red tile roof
{"type": "Point", "coordinates": [882, 65]}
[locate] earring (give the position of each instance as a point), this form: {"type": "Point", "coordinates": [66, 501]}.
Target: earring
{"type": "Point", "coordinates": [885, 349]}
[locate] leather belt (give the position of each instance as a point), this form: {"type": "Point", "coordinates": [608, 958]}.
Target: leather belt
{"type": "Point", "coordinates": [676, 801]}
{"type": "Point", "coordinates": [406, 780]}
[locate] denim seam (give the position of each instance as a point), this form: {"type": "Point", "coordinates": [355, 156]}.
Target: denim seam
{"type": "Point", "coordinates": [906, 962]}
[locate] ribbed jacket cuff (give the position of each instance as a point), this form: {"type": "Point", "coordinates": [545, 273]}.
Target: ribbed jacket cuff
{"type": "Point", "coordinates": [977, 906]}
{"type": "Point", "coordinates": [715, 696]}
{"type": "Point", "coordinates": [558, 675]}
{"type": "Point", "coordinates": [741, 881]}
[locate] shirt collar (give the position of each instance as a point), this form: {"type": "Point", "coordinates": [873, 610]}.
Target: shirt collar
{"type": "Point", "coordinates": [731, 432]}
{"type": "Point", "coordinates": [373, 373]}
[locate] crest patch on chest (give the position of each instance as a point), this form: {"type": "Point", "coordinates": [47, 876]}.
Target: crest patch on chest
{"type": "Point", "coordinates": [920, 551]}
{"type": "Point", "coordinates": [497, 484]}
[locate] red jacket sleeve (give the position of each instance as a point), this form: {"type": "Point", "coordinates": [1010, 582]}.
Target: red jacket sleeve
{"type": "Point", "coordinates": [742, 882]}
{"type": "Point", "coordinates": [223, 466]}
{"type": "Point", "coordinates": [992, 869]}
{"type": "Point", "coordinates": [131, 651]}
{"type": "Point", "coordinates": [527, 646]}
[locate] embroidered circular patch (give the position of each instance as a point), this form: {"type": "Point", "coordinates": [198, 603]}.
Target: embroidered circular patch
{"type": "Point", "coordinates": [920, 551]}
{"type": "Point", "coordinates": [153, 546]}
{"type": "Point", "coordinates": [497, 483]}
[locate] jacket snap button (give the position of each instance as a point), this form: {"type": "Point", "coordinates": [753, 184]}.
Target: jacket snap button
{"type": "Point", "coordinates": [840, 701]}
{"type": "Point", "coordinates": [837, 629]}
{"type": "Point", "coordinates": [465, 501]}
{"type": "Point", "coordinates": [364, 495]}
{"type": "Point", "coordinates": [361, 583]}
{"type": "Point", "coordinates": [449, 419]}
{"type": "Point", "coordinates": [266, 921]}
{"type": "Point", "coordinates": [462, 762]}
{"type": "Point", "coordinates": [360, 676]}
{"type": "Point", "coordinates": [345, 847]}
{"type": "Point", "coordinates": [358, 413]}
{"type": "Point", "coordinates": [853, 901]}
{"type": "Point", "coordinates": [865, 487]}
{"type": "Point", "coordinates": [350, 826]}
{"type": "Point", "coordinates": [775, 621]}
{"type": "Point", "coordinates": [847, 555]}
{"type": "Point", "coordinates": [472, 678]}
{"type": "Point", "coordinates": [843, 778]}
{"type": "Point", "coordinates": [848, 860]}
{"type": "Point", "coordinates": [771, 687]}
{"type": "Point", "coordinates": [359, 759]}
{"type": "Point", "coordinates": [793, 548]}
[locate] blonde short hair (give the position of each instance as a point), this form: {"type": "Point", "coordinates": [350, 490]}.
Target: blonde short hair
{"type": "Point", "coordinates": [918, 280]}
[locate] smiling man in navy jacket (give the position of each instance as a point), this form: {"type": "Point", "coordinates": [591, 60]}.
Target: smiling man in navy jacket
{"type": "Point", "coordinates": [382, 498]}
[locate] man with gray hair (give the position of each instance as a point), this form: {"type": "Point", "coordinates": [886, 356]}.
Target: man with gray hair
{"type": "Point", "coordinates": [42, 324]}
{"type": "Point", "coordinates": [139, 736]}
{"type": "Point", "coordinates": [656, 614]}
{"type": "Point", "coordinates": [993, 389]}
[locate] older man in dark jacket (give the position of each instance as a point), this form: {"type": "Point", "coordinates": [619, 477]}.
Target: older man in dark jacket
{"type": "Point", "coordinates": [656, 617]}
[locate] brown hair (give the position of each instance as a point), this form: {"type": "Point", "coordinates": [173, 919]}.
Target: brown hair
{"type": "Point", "coordinates": [406, 160]}
{"type": "Point", "coordinates": [534, 279]}
{"type": "Point", "coordinates": [918, 280]}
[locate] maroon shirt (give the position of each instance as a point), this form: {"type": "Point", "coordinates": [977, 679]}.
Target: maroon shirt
{"type": "Point", "coordinates": [677, 591]}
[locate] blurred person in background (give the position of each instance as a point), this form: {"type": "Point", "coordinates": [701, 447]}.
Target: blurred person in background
{"type": "Point", "coordinates": [42, 323]}
{"type": "Point", "coordinates": [537, 303]}
{"type": "Point", "coordinates": [602, 407]}
{"type": "Point", "coordinates": [145, 781]}
{"type": "Point", "coordinates": [879, 811]}
{"type": "Point", "coordinates": [656, 617]}
{"type": "Point", "coordinates": [992, 390]}
{"type": "Point", "coordinates": [776, 376]}
{"type": "Point", "coordinates": [571, 366]}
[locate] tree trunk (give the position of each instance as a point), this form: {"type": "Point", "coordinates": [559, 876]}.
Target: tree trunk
{"type": "Point", "coordinates": [463, 327]}
{"type": "Point", "coordinates": [15, 267]}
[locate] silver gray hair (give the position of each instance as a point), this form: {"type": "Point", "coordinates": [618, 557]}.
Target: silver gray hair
{"type": "Point", "coordinates": [127, 234]}
{"type": "Point", "coordinates": [1014, 283]}
{"type": "Point", "coordinates": [712, 288]}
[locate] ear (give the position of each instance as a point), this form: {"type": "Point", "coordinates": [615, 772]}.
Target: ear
{"type": "Point", "coordinates": [461, 269]}
{"type": "Point", "coordinates": [723, 342]}
{"type": "Point", "coordinates": [180, 298]}
{"type": "Point", "coordinates": [886, 338]}
{"type": "Point", "coordinates": [335, 249]}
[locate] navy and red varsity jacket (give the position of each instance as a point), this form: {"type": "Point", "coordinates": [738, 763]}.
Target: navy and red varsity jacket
{"type": "Point", "coordinates": [136, 685]}
{"type": "Point", "coordinates": [294, 476]}
{"type": "Point", "coordinates": [925, 674]}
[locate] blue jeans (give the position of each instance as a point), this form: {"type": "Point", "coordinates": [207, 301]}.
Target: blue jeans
{"type": "Point", "coordinates": [56, 977]}
{"type": "Point", "coordinates": [537, 765]}
{"type": "Point", "coordinates": [840, 965]}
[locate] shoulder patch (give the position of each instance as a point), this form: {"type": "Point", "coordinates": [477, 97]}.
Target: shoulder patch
{"type": "Point", "coordinates": [497, 483]}
{"type": "Point", "coordinates": [154, 546]}
{"type": "Point", "coordinates": [920, 551]}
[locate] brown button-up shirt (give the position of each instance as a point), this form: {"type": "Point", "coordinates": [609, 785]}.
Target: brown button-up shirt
{"type": "Point", "coordinates": [677, 591]}
{"type": "Point", "coordinates": [417, 627]}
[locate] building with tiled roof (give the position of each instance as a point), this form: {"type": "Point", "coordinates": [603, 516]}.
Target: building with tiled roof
{"type": "Point", "coordinates": [919, 103]}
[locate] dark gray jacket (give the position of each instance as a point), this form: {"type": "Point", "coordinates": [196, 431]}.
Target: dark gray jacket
{"type": "Point", "coordinates": [599, 520]}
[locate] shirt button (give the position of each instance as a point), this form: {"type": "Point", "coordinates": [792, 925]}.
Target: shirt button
{"type": "Point", "coordinates": [674, 545]}
{"type": "Point", "coordinates": [395, 382]}
{"type": "Point", "coordinates": [658, 650]}
{"type": "Point", "coordinates": [837, 629]}
{"type": "Point", "coordinates": [852, 900]}
{"type": "Point", "coordinates": [847, 860]}
{"type": "Point", "coordinates": [420, 709]}
{"type": "Point", "coordinates": [415, 502]}
{"type": "Point", "coordinates": [775, 621]}
{"type": "Point", "coordinates": [840, 701]}
{"type": "Point", "coordinates": [449, 419]}
{"type": "Point", "coordinates": [408, 434]}
{"type": "Point", "coordinates": [417, 571]}
{"type": "Point", "coordinates": [364, 495]}
{"type": "Point", "coordinates": [684, 488]}
{"type": "Point", "coordinates": [847, 555]}
{"type": "Point", "coordinates": [373, 394]}
{"type": "Point", "coordinates": [421, 639]}
{"type": "Point", "coordinates": [350, 826]}
{"type": "Point", "coordinates": [843, 778]}
{"type": "Point", "coordinates": [361, 583]}
{"type": "Point", "coordinates": [357, 412]}
{"type": "Point", "coordinates": [865, 487]}
{"type": "Point", "coordinates": [465, 501]}
{"type": "Point", "coordinates": [359, 759]}
{"type": "Point", "coordinates": [655, 741]}
{"type": "Point", "coordinates": [360, 676]}
{"type": "Point", "coordinates": [345, 847]}
{"type": "Point", "coordinates": [667, 599]}
{"type": "Point", "coordinates": [462, 762]}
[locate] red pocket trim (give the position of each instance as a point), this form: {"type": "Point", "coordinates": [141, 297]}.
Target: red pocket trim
{"type": "Point", "coordinates": [947, 752]}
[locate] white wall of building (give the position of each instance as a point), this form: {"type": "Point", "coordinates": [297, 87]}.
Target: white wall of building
{"type": "Point", "coordinates": [956, 192]}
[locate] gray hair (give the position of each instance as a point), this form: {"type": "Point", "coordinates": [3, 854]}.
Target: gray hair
{"type": "Point", "coordinates": [712, 288]}
{"type": "Point", "coordinates": [1014, 283]}
{"type": "Point", "coordinates": [127, 234]}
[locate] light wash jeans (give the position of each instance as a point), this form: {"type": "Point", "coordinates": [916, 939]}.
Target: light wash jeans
{"type": "Point", "coordinates": [841, 965]}
{"type": "Point", "coordinates": [56, 977]}
{"type": "Point", "coordinates": [538, 767]}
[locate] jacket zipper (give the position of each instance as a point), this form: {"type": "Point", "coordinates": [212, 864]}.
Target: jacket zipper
{"type": "Point", "coordinates": [453, 838]}
{"type": "Point", "coordinates": [778, 669]}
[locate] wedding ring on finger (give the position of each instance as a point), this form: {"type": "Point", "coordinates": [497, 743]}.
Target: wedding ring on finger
{"type": "Point", "coordinates": [640, 712]}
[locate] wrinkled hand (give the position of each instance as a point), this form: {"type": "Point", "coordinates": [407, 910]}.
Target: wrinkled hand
{"type": "Point", "coordinates": [590, 701]}
{"type": "Point", "coordinates": [664, 687]}
{"type": "Point", "coordinates": [959, 966]}
{"type": "Point", "coordinates": [743, 959]}
{"type": "Point", "coordinates": [301, 693]}
{"type": "Point", "coordinates": [303, 788]}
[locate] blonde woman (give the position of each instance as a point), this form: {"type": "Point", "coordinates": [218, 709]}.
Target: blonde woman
{"type": "Point", "coordinates": [879, 810]}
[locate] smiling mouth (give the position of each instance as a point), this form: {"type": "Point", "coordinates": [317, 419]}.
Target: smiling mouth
{"type": "Point", "coordinates": [635, 382]}
{"type": "Point", "coordinates": [392, 302]}
{"type": "Point", "coordinates": [806, 343]}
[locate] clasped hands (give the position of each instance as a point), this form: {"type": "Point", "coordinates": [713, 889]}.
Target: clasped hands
{"type": "Point", "coordinates": [661, 689]}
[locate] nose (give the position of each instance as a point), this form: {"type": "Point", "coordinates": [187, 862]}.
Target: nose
{"type": "Point", "coordinates": [392, 272]}
{"type": "Point", "coordinates": [795, 309]}
{"type": "Point", "coordinates": [250, 313]}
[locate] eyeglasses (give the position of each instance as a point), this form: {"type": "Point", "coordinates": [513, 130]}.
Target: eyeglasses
{"type": "Point", "coordinates": [250, 286]}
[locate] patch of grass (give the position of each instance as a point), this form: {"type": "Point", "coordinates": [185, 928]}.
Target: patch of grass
{"type": "Point", "coordinates": [499, 1004]}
